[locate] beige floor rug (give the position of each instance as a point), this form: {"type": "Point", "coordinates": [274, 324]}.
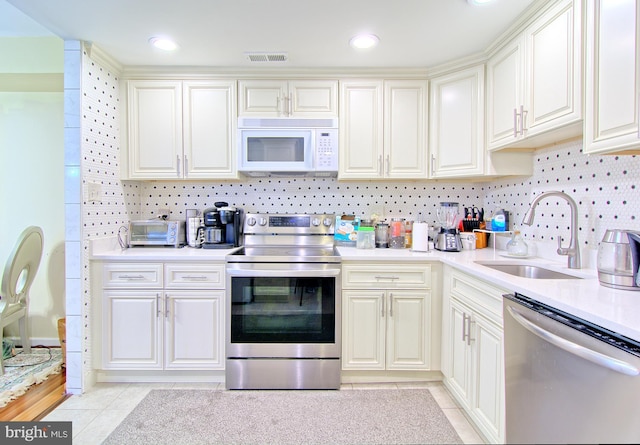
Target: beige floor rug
{"type": "Point", "coordinates": [24, 370]}
{"type": "Point", "coordinates": [403, 416]}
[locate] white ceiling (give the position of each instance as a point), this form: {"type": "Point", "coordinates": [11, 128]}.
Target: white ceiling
{"type": "Point", "coordinates": [314, 33]}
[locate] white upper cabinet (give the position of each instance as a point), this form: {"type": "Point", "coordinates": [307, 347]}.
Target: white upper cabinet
{"type": "Point", "coordinates": [383, 126]}
{"type": "Point", "coordinates": [505, 85]}
{"type": "Point", "coordinates": [209, 130]}
{"type": "Point", "coordinates": [456, 127]}
{"type": "Point", "coordinates": [534, 82]}
{"type": "Point", "coordinates": [292, 98]}
{"type": "Point", "coordinates": [155, 129]}
{"type": "Point", "coordinates": [612, 108]}
{"type": "Point", "coordinates": [361, 129]}
{"type": "Point", "coordinates": [182, 130]}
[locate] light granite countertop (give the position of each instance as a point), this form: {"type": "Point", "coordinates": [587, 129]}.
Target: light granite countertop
{"type": "Point", "coordinates": [617, 310]}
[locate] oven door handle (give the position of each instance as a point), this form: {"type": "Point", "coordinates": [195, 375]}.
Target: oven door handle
{"type": "Point", "coordinates": [283, 273]}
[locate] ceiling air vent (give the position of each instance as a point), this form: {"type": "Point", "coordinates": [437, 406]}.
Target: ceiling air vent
{"type": "Point", "coordinates": [267, 57]}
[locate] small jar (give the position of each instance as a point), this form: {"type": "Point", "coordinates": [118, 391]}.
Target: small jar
{"type": "Point", "coordinates": [396, 233]}
{"type": "Point", "coordinates": [382, 235]}
{"type": "Point", "coordinates": [408, 234]}
{"type": "Point", "coordinates": [366, 235]}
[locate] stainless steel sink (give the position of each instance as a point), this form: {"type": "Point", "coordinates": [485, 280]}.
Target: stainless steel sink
{"type": "Point", "coordinates": [529, 271]}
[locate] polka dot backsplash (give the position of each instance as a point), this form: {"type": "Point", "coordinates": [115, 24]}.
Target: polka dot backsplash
{"type": "Point", "coordinates": [605, 189]}
{"type": "Point", "coordinates": [307, 195]}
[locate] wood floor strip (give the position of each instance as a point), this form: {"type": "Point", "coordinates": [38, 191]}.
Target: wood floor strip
{"type": "Point", "coordinates": [38, 401]}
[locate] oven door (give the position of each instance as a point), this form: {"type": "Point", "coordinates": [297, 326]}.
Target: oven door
{"type": "Point", "coordinates": [283, 310]}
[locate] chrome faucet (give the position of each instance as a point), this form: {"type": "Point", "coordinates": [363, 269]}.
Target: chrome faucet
{"type": "Point", "coordinates": [573, 251]}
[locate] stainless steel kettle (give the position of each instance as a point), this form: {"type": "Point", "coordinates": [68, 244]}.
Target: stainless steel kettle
{"type": "Point", "coordinates": [619, 259]}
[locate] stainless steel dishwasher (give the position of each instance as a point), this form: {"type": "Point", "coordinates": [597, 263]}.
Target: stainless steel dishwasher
{"type": "Point", "coordinates": [567, 380]}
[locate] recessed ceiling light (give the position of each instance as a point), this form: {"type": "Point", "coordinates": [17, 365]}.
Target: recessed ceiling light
{"type": "Point", "coordinates": [364, 41]}
{"type": "Point", "coordinates": [163, 43]}
{"type": "Point", "coordinates": [478, 2]}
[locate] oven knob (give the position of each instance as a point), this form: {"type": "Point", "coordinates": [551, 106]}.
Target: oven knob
{"type": "Point", "coordinates": [315, 221]}
{"type": "Point", "coordinates": [251, 221]}
{"type": "Point", "coordinates": [262, 221]}
{"type": "Point", "coordinates": [327, 222]}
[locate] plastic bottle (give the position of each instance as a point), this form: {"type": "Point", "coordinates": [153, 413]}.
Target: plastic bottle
{"type": "Point", "coordinates": [516, 245]}
{"type": "Point", "coordinates": [366, 235]}
{"type": "Point", "coordinates": [498, 223]}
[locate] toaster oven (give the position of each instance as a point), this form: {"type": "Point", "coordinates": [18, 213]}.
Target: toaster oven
{"type": "Point", "coordinates": [163, 233]}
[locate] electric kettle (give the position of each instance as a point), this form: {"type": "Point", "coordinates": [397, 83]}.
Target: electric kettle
{"type": "Point", "coordinates": [619, 259]}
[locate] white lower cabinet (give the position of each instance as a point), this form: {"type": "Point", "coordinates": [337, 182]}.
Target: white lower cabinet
{"type": "Point", "coordinates": [386, 329]}
{"type": "Point", "coordinates": [157, 316]}
{"type": "Point", "coordinates": [472, 350]}
{"type": "Point", "coordinates": [132, 329]}
{"type": "Point", "coordinates": [386, 317]}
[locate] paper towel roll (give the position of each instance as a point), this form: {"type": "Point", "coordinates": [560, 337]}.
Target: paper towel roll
{"type": "Point", "coordinates": [420, 236]}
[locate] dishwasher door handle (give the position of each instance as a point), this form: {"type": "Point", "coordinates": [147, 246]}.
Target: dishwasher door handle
{"type": "Point", "coordinates": [593, 356]}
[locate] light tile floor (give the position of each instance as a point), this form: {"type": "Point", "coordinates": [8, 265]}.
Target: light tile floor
{"type": "Point", "coordinates": [100, 410]}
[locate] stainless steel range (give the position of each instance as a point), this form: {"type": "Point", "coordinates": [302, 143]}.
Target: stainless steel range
{"type": "Point", "coordinates": [283, 307]}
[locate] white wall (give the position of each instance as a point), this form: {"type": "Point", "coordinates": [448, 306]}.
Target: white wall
{"type": "Point", "coordinates": [31, 176]}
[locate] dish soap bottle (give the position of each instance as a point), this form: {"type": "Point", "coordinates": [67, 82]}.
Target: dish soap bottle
{"type": "Point", "coordinates": [499, 221]}
{"type": "Point", "coordinates": [516, 245]}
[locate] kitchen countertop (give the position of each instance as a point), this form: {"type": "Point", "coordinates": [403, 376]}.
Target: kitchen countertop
{"type": "Point", "coordinates": [162, 254]}
{"type": "Point", "coordinates": [616, 310]}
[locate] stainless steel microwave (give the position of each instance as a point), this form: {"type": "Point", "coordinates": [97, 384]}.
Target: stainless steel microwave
{"type": "Point", "coordinates": [288, 147]}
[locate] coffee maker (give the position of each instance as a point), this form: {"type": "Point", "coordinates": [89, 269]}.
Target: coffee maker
{"type": "Point", "coordinates": [222, 227]}
{"type": "Point", "coordinates": [448, 239]}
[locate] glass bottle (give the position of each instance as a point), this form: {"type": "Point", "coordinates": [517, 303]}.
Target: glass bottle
{"type": "Point", "coordinates": [382, 235]}
{"type": "Point", "coordinates": [396, 233]}
{"type": "Point", "coordinates": [408, 234]}
{"type": "Point", "coordinates": [516, 245]}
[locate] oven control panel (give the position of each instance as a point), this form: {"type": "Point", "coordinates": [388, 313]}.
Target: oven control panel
{"type": "Point", "coordinates": [303, 224]}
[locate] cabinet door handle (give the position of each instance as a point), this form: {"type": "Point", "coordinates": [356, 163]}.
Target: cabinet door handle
{"type": "Point", "coordinates": [433, 164]}
{"type": "Point", "coordinates": [465, 334]}
{"type": "Point", "coordinates": [290, 105]}
{"type": "Point", "coordinates": [166, 306]}
{"type": "Point", "coordinates": [195, 277]}
{"type": "Point", "coordinates": [158, 303]}
{"type": "Point", "coordinates": [178, 165]}
{"type": "Point", "coordinates": [131, 277]}
{"type": "Point", "coordinates": [186, 165]}
{"type": "Point", "coordinates": [386, 277]}
{"type": "Point", "coordinates": [391, 305]}
{"type": "Point", "coordinates": [523, 114]}
{"type": "Point", "coordinates": [383, 303]}
{"type": "Point", "coordinates": [466, 328]}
